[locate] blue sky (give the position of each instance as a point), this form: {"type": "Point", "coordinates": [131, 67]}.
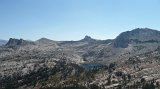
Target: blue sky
{"type": "Point", "coordinates": [73, 19]}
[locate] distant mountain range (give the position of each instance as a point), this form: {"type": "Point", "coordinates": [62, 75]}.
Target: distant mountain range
{"type": "Point", "coordinates": [58, 62]}
{"type": "Point", "coordinates": [2, 42]}
{"type": "Point", "coordinates": [138, 35]}
{"type": "Point", "coordinates": [103, 50]}
{"type": "Point", "coordinates": [130, 42]}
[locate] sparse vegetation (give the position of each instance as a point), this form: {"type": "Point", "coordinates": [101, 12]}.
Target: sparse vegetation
{"type": "Point", "coordinates": [130, 61]}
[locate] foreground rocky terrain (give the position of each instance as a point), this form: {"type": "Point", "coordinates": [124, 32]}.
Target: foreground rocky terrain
{"type": "Point", "coordinates": [130, 61]}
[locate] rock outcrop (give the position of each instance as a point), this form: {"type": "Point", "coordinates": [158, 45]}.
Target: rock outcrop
{"type": "Point", "coordinates": [87, 39]}
{"type": "Point", "coordinates": [139, 35]}
{"type": "Point", "coordinates": [17, 42]}
{"type": "Point", "coordinates": [48, 64]}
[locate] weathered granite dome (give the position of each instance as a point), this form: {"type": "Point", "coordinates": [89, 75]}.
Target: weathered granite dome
{"type": "Point", "coordinates": [139, 35]}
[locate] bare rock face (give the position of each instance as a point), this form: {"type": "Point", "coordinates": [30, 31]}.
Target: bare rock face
{"type": "Point", "coordinates": [88, 39]}
{"type": "Point", "coordinates": [17, 42]}
{"type": "Point", "coordinates": [46, 64]}
{"type": "Point", "coordinates": [139, 35]}
{"type": "Point", "coordinates": [44, 41]}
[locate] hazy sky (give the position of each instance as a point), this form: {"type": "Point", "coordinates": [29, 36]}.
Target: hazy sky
{"type": "Point", "coordinates": [73, 19]}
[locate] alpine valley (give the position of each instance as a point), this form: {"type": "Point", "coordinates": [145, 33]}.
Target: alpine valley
{"type": "Point", "coordinates": [130, 61]}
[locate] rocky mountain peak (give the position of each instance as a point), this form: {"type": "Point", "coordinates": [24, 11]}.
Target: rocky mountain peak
{"type": "Point", "coordinates": [147, 31]}
{"type": "Point", "coordinates": [138, 35]}
{"type": "Point", "coordinates": [88, 38]}
{"type": "Point", "coordinates": [44, 41]}
{"type": "Point", "coordinates": [17, 42]}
